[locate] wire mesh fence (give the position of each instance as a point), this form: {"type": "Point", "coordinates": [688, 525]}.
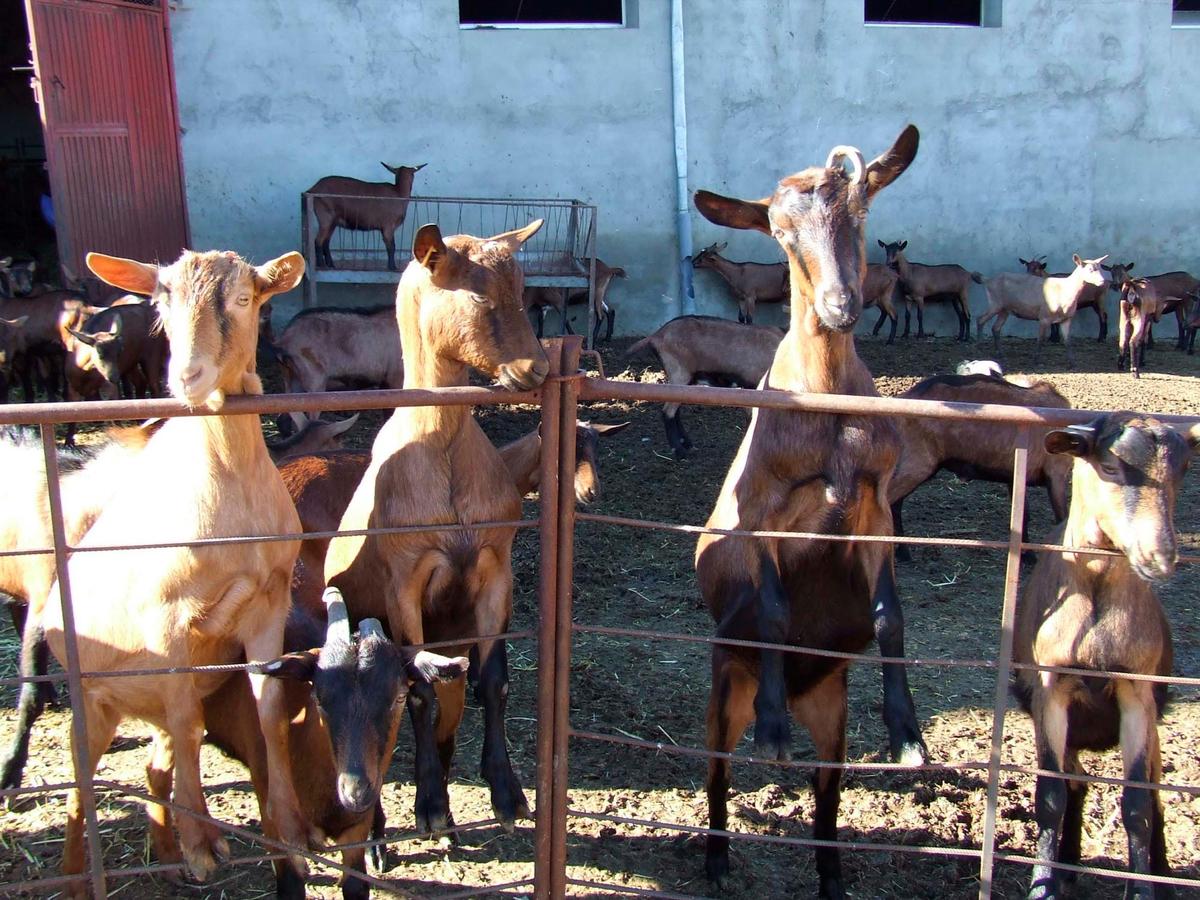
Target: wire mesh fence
{"type": "Point", "coordinates": [560, 624]}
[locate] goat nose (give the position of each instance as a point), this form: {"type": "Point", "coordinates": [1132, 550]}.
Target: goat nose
{"type": "Point", "coordinates": [354, 791]}
{"type": "Point", "coordinates": [191, 374]}
{"type": "Point", "coordinates": [838, 297]}
{"type": "Point", "coordinates": [540, 368]}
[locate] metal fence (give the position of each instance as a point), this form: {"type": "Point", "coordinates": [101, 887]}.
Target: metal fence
{"type": "Point", "coordinates": [565, 387]}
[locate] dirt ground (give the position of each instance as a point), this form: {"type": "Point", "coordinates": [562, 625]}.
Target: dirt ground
{"type": "Point", "coordinates": [657, 690]}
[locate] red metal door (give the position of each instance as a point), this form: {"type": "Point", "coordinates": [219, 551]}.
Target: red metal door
{"type": "Point", "coordinates": [106, 90]}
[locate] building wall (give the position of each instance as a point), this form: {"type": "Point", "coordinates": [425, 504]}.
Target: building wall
{"type": "Point", "coordinates": [1069, 128]}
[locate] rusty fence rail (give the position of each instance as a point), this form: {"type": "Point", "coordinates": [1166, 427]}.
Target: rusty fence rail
{"type": "Point", "coordinates": [557, 627]}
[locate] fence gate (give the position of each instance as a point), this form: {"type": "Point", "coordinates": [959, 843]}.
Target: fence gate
{"type": "Point", "coordinates": [106, 91]}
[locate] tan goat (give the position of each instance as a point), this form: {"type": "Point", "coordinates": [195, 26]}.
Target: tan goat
{"type": "Point", "coordinates": [1101, 613]}
{"type": "Point", "coordinates": [198, 477]}
{"type": "Point", "coordinates": [459, 305]}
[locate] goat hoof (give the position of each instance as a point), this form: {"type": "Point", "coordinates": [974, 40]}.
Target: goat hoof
{"type": "Point", "coordinates": [204, 858]}
{"type": "Point", "coordinates": [831, 888]}
{"type": "Point", "coordinates": [377, 860]}
{"type": "Point", "coordinates": [911, 753]}
{"type": "Point", "coordinates": [716, 867]}
{"type": "Point", "coordinates": [433, 813]}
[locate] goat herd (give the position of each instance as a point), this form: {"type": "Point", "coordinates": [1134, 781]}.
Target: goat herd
{"type": "Point", "coordinates": [329, 627]}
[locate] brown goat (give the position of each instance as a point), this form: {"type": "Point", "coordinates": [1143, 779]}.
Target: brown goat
{"type": "Point", "coordinates": [974, 450]}
{"type": "Point", "coordinates": [345, 695]}
{"type": "Point", "coordinates": [1093, 297]}
{"type": "Point", "coordinates": [1141, 306]}
{"type": "Point", "coordinates": [46, 318]}
{"type": "Point", "coordinates": [362, 206]}
{"type": "Point", "coordinates": [800, 471]}
{"type": "Point", "coordinates": [198, 477]}
{"type": "Point", "coordinates": [315, 436]}
{"type": "Point", "coordinates": [1100, 613]}
{"type": "Point", "coordinates": [879, 290]}
{"type": "Point", "coordinates": [705, 348]}
{"type": "Point", "coordinates": [750, 282]}
{"type": "Point", "coordinates": [459, 306]}
{"type": "Point", "coordinates": [923, 283]}
{"type": "Point", "coordinates": [542, 298]}
{"type": "Point", "coordinates": [1177, 288]}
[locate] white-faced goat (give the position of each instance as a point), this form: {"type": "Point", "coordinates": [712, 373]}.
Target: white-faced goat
{"type": "Point", "coordinates": [1099, 612]}
{"type": "Point", "coordinates": [705, 348]}
{"type": "Point", "coordinates": [344, 202]}
{"type": "Point", "coordinates": [1043, 300]}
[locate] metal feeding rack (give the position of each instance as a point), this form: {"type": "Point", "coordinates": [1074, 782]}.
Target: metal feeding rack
{"type": "Point", "coordinates": [559, 255]}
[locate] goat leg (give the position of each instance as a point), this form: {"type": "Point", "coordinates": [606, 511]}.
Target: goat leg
{"type": "Point", "coordinates": [1140, 811]}
{"type": "Point", "coordinates": [1050, 795]}
{"type": "Point", "coordinates": [34, 661]}
{"type": "Point", "coordinates": [899, 713]}
{"type": "Point", "coordinates": [432, 807]}
{"type": "Point", "coordinates": [772, 727]}
{"type": "Point", "coordinates": [508, 800]}
{"type": "Point", "coordinates": [730, 711]}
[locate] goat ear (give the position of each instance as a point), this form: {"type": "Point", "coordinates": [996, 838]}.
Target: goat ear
{"type": "Point", "coordinates": [1075, 258]}
{"type": "Point", "coordinates": [514, 239]}
{"type": "Point", "coordinates": [433, 667]}
{"type": "Point", "coordinates": [606, 430]}
{"type": "Point", "coordinates": [1106, 268]}
{"type": "Point", "coordinates": [389, 168]}
{"type": "Point", "coordinates": [881, 243]}
{"type": "Point", "coordinates": [428, 247]}
{"type": "Point", "coordinates": [1128, 267]}
{"type": "Point", "coordinates": [126, 274]}
{"type": "Point", "coordinates": [1076, 440]}
{"type": "Point", "coordinates": [5, 262]}
{"type": "Point", "coordinates": [15, 323]}
{"type": "Point", "coordinates": [279, 275]}
{"type": "Point", "coordinates": [89, 339]}
{"type": "Point", "coordinates": [889, 166]}
{"type": "Point", "coordinates": [295, 666]}
{"type": "Point", "coordinates": [750, 215]}
{"type": "Point", "coordinates": [1023, 262]}
{"type": "Point", "coordinates": [420, 167]}
{"type": "Point", "coordinates": [903, 245]}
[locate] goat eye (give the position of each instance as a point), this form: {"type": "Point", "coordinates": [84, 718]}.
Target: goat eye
{"type": "Point", "coordinates": [481, 300]}
{"type": "Point", "coordinates": [1110, 469]}
{"type": "Point", "coordinates": [243, 301]}
{"type": "Point", "coordinates": [777, 233]}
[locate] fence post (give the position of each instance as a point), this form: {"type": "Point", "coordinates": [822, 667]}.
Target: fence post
{"type": "Point", "coordinates": [547, 620]}
{"type": "Point", "coordinates": [80, 753]}
{"type": "Point", "coordinates": [566, 575]}
{"type": "Point", "coordinates": [1016, 523]}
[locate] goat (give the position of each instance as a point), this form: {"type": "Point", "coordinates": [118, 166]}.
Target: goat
{"type": "Point", "coordinates": [979, 367]}
{"type": "Point", "coordinates": [1177, 288]}
{"type": "Point", "coordinates": [1193, 324]}
{"type": "Point", "coordinates": [344, 701]}
{"type": "Point", "coordinates": [16, 279]}
{"type": "Point", "coordinates": [694, 348]}
{"type": "Point", "coordinates": [362, 206]}
{"type": "Point", "coordinates": [1140, 307]}
{"type": "Point", "coordinates": [1101, 613]}
{"type": "Point", "coordinates": [354, 346]}
{"type": "Point", "coordinates": [315, 435]}
{"type": "Point", "coordinates": [87, 481]}
{"type": "Point", "coordinates": [923, 283]}
{"type": "Point", "coordinates": [198, 477]}
{"type": "Point", "coordinates": [47, 317]}
{"type": "Point", "coordinates": [879, 290]}
{"type": "Point", "coordinates": [801, 471]}
{"type": "Point", "coordinates": [750, 282]}
{"type": "Point", "coordinates": [459, 306]}
{"type": "Point", "coordinates": [12, 346]}
{"type": "Point", "coordinates": [973, 450]}
{"type": "Point", "coordinates": [1044, 300]}
{"type": "Point", "coordinates": [543, 297]}
{"type": "Point", "coordinates": [1093, 297]}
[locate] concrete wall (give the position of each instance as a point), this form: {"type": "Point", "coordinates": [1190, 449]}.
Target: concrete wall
{"type": "Point", "coordinates": [1068, 128]}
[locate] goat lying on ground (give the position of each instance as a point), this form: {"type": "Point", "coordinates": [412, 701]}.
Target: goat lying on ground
{"type": "Point", "coordinates": [459, 305]}
{"type": "Point", "coordinates": [974, 450]}
{"type": "Point", "coordinates": [315, 436]}
{"type": "Point", "coordinates": [197, 477]}
{"type": "Point", "coordinates": [344, 700]}
{"type": "Point", "coordinates": [1093, 297]}
{"type": "Point", "coordinates": [1043, 300]}
{"type": "Point", "coordinates": [1100, 612]}
{"type": "Point", "coordinates": [750, 282]}
{"type": "Point", "coordinates": [922, 283]}
{"type": "Point", "coordinates": [1176, 288]}
{"type": "Point", "coordinates": [802, 471]}
{"type": "Point", "coordinates": [362, 206]}
{"type": "Point", "coordinates": [695, 348]}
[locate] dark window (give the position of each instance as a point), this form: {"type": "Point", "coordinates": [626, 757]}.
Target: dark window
{"type": "Point", "coordinates": [924, 12]}
{"type": "Point", "coordinates": [1186, 6]}
{"type": "Point", "coordinates": [539, 12]}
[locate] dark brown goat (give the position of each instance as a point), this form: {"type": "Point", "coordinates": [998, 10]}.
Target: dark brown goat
{"type": "Point", "coordinates": [459, 306]}
{"type": "Point", "coordinates": [47, 317]}
{"type": "Point", "coordinates": [1101, 613]}
{"type": "Point", "coordinates": [799, 471]}
{"type": "Point", "coordinates": [345, 695]}
{"type": "Point", "coordinates": [750, 282]}
{"type": "Point", "coordinates": [362, 206]}
{"type": "Point", "coordinates": [923, 283]}
{"type": "Point", "coordinates": [1141, 306]}
{"type": "Point", "coordinates": [1177, 289]}
{"type": "Point", "coordinates": [705, 348]}
{"type": "Point", "coordinates": [974, 450]}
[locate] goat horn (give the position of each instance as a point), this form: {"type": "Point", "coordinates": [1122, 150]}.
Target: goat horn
{"type": "Point", "coordinates": [858, 168]}
{"type": "Point", "coordinates": [339, 618]}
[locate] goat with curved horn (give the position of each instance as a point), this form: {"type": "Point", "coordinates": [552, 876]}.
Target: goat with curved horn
{"type": "Point", "coordinates": [846, 153]}
{"type": "Point", "coordinates": [339, 618]}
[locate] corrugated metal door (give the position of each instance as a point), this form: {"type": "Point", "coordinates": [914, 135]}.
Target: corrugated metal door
{"type": "Point", "coordinates": [107, 95]}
